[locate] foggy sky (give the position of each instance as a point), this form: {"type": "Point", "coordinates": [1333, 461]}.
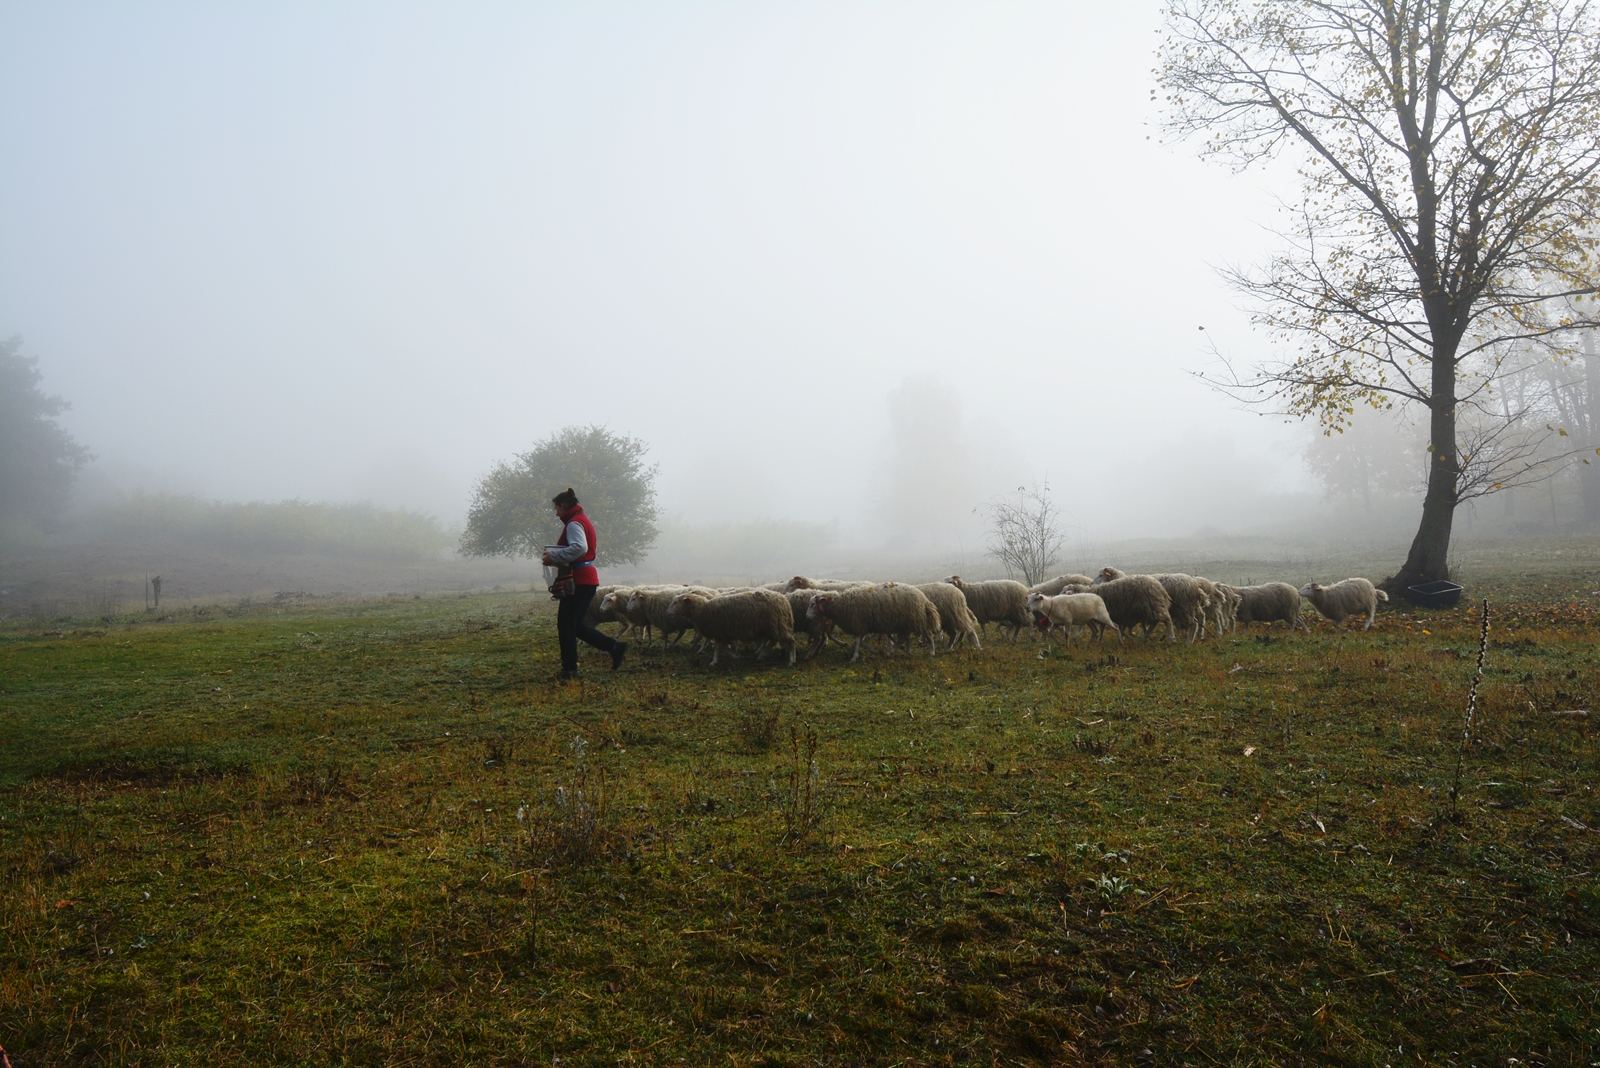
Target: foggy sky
{"type": "Point", "coordinates": [353, 251]}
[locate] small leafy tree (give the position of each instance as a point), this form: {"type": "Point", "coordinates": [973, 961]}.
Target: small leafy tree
{"type": "Point", "coordinates": [510, 513]}
{"type": "Point", "coordinates": [1025, 535]}
{"type": "Point", "coordinates": [38, 458]}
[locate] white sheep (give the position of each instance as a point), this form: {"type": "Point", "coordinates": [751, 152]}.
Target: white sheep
{"type": "Point", "coordinates": [761, 616]}
{"type": "Point", "coordinates": [800, 582]}
{"type": "Point", "coordinates": [1188, 599]}
{"type": "Point", "coordinates": [1270, 602]}
{"type": "Point", "coordinates": [1344, 599]}
{"type": "Point", "coordinates": [1225, 609]}
{"type": "Point", "coordinates": [1068, 609]}
{"type": "Point", "coordinates": [999, 601]}
{"type": "Point", "coordinates": [615, 604]}
{"type": "Point", "coordinates": [653, 604]}
{"type": "Point", "coordinates": [888, 608]}
{"type": "Point", "coordinates": [1051, 587]}
{"type": "Point", "coordinates": [816, 628]}
{"type": "Point", "coordinates": [599, 613]}
{"type": "Point", "coordinates": [1134, 601]}
{"type": "Point", "coordinates": [955, 618]}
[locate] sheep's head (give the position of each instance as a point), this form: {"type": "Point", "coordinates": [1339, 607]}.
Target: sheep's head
{"type": "Point", "coordinates": [635, 601]}
{"type": "Point", "coordinates": [799, 582]}
{"type": "Point", "coordinates": [608, 603]}
{"type": "Point", "coordinates": [1107, 574]}
{"type": "Point", "coordinates": [954, 580]}
{"type": "Point", "coordinates": [685, 605]}
{"type": "Point", "coordinates": [1036, 602]}
{"type": "Point", "coordinates": [820, 606]}
{"type": "Point", "coordinates": [1310, 588]}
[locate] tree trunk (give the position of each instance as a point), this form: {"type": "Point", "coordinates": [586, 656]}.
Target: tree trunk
{"type": "Point", "coordinates": [1429, 558]}
{"type": "Point", "coordinates": [1589, 471]}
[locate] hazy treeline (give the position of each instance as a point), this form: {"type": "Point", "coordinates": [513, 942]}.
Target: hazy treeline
{"type": "Point", "coordinates": [281, 527]}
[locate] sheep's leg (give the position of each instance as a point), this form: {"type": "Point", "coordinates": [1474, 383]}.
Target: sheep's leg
{"type": "Point", "coordinates": [933, 645]}
{"type": "Point", "coordinates": [1372, 614]}
{"type": "Point", "coordinates": [716, 651]}
{"type": "Point", "coordinates": [791, 652]}
{"type": "Point", "coordinates": [855, 650]}
{"type": "Point", "coordinates": [761, 650]}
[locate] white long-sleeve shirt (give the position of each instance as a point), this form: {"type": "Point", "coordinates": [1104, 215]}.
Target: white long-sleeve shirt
{"type": "Point", "coordinates": [577, 546]}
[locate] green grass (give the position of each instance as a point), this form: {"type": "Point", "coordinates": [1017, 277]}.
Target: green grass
{"type": "Point", "coordinates": [293, 837]}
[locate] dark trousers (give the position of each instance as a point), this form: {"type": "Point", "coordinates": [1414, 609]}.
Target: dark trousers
{"type": "Point", "coordinates": [570, 627]}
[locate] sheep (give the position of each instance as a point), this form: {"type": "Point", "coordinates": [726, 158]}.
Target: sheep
{"type": "Point", "coordinates": [1269, 602]}
{"type": "Point", "coordinates": [752, 616]}
{"type": "Point", "coordinates": [1051, 587]}
{"type": "Point", "coordinates": [800, 582]}
{"type": "Point", "coordinates": [1345, 599]}
{"type": "Point", "coordinates": [616, 604]}
{"type": "Point", "coordinates": [1134, 601]}
{"type": "Point", "coordinates": [818, 628]}
{"type": "Point", "coordinates": [1189, 601]}
{"type": "Point", "coordinates": [598, 613]}
{"type": "Point", "coordinates": [1068, 609]}
{"type": "Point", "coordinates": [999, 601]}
{"type": "Point", "coordinates": [653, 604]}
{"type": "Point", "coordinates": [1187, 595]}
{"type": "Point", "coordinates": [955, 617]}
{"type": "Point", "coordinates": [889, 608]}
{"type": "Point", "coordinates": [1215, 604]}
{"type": "Point", "coordinates": [1225, 609]}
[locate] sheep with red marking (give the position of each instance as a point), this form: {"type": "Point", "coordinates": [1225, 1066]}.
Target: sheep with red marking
{"type": "Point", "coordinates": [1066, 610]}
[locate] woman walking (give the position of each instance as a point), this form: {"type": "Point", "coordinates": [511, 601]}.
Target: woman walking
{"type": "Point", "coordinates": [575, 585]}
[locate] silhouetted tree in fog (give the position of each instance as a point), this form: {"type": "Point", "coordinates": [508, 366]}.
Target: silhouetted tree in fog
{"type": "Point", "coordinates": [38, 459]}
{"type": "Point", "coordinates": [510, 513]}
{"type": "Point", "coordinates": [1025, 535]}
{"type": "Point", "coordinates": [1450, 161]}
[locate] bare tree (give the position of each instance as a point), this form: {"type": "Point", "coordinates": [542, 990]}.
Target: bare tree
{"type": "Point", "coordinates": [1026, 535]}
{"type": "Point", "coordinates": [1448, 155]}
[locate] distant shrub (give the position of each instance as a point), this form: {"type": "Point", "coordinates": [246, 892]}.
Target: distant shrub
{"type": "Point", "coordinates": [277, 527]}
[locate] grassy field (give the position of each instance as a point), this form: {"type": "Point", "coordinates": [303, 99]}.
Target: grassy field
{"type": "Point", "coordinates": [376, 833]}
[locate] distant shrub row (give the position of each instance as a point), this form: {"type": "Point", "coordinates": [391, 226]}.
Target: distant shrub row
{"type": "Point", "coordinates": [280, 527]}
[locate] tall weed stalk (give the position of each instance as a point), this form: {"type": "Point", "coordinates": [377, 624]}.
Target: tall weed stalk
{"type": "Point", "coordinates": [802, 809]}
{"type": "Point", "coordinates": [1472, 707]}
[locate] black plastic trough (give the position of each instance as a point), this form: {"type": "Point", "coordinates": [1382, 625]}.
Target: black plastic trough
{"type": "Point", "coordinates": [1441, 594]}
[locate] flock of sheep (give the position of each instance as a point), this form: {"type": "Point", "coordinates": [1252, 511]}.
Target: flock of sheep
{"type": "Point", "coordinates": [956, 610]}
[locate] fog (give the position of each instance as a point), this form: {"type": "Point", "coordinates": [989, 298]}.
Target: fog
{"type": "Point", "coordinates": [853, 268]}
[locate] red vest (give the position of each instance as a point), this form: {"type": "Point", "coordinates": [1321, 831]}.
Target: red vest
{"type": "Point", "coordinates": [584, 572]}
